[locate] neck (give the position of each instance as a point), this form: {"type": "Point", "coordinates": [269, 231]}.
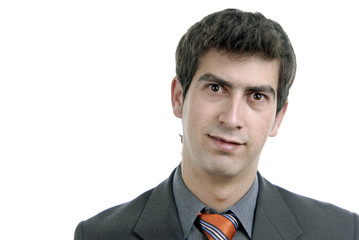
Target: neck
{"type": "Point", "coordinates": [217, 192]}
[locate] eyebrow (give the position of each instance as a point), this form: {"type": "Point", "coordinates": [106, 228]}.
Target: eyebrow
{"type": "Point", "coordinates": [262, 89]}
{"type": "Point", "coordinates": [212, 78]}
{"type": "Point", "coordinates": [208, 77]}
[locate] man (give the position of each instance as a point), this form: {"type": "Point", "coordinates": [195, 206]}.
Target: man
{"type": "Point", "coordinates": [233, 74]}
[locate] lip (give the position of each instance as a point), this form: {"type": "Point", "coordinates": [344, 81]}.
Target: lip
{"type": "Point", "coordinates": [224, 144]}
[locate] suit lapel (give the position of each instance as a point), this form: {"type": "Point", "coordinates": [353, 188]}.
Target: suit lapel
{"type": "Point", "coordinates": [159, 219]}
{"type": "Point", "coordinates": [273, 219]}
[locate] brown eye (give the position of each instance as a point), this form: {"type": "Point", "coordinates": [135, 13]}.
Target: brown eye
{"type": "Point", "coordinates": [215, 87]}
{"type": "Point", "coordinates": [257, 96]}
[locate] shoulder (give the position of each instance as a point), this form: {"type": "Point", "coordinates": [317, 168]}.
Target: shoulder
{"type": "Point", "coordinates": [303, 206]}
{"type": "Point", "coordinates": [116, 220]}
{"type": "Point", "coordinates": [120, 221]}
{"type": "Point", "coordinates": [315, 217]}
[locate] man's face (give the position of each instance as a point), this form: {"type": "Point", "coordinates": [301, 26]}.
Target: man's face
{"type": "Point", "coordinates": [228, 113]}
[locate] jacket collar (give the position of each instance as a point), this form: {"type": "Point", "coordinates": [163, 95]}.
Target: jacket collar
{"type": "Point", "coordinates": [273, 219]}
{"type": "Point", "coordinates": [159, 219]}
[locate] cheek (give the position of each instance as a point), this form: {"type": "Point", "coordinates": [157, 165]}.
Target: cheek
{"type": "Point", "coordinates": [197, 118]}
{"type": "Point", "coordinates": [190, 116]}
{"type": "Point", "coordinates": [196, 111]}
{"type": "Point", "coordinates": [263, 126]}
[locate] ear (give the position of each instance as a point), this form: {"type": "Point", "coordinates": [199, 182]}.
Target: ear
{"type": "Point", "coordinates": [177, 97]}
{"type": "Point", "coordinates": [278, 120]}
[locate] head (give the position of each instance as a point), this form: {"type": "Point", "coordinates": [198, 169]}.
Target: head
{"type": "Point", "coordinates": [237, 33]}
{"type": "Point", "coordinates": [234, 70]}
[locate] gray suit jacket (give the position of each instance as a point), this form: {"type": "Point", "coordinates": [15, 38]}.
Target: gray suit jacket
{"type": "Point", "coordinates": [279, 215]}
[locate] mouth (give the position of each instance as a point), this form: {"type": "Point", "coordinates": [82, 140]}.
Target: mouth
{"type": "Point", "coordinates": [225, 145]}
{"type": "Point", "coordinates": [224, 140]}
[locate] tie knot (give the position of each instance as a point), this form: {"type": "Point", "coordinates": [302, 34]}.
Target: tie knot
{"type": "Point", "coordinates": [218, 226]}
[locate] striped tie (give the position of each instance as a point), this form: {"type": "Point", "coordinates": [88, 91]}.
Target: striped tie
{"type": "Point", "coordinates": [218, 226]}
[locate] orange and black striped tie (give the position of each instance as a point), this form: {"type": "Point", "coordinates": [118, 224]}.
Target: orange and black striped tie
{"type": "Point", "coordinates": [218, 226]}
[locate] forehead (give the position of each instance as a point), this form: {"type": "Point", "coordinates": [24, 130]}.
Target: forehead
{"type": "Point", "coordinates": [239, 70]}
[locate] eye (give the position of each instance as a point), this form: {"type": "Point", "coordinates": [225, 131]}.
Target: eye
{"type": "Point", "coordinates": [215, 88]}
{"type": "Point", "coordinates": [257, 96]}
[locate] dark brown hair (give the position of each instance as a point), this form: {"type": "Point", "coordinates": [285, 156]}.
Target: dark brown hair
{"type": "Point", "coordinates": [237, 32]}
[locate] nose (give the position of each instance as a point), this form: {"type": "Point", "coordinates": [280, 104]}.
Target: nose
{"type": "Point", "coordinates": [232, 114]}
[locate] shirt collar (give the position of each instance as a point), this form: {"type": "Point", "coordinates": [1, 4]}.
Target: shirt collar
{"type": "Point", "coordinates": [189, 205]}
{"type": "Point", "coordinates": [244, 209]}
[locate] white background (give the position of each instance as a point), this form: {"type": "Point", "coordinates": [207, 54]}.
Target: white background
{"type": "Point", "coordinates": [85, 115]}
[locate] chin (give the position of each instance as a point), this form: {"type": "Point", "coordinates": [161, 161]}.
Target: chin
{"type": "Point", "coordinates": [223, 169]}
{"type": "Point", "coordinates": [229, 166]}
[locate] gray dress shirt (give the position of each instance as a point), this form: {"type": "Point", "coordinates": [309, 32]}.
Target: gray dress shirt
{"type": "Point", "coordinates": [189, 206]}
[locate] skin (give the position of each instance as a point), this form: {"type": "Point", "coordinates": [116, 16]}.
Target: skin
{"type": "Point", "coordinates": [228, 113]}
